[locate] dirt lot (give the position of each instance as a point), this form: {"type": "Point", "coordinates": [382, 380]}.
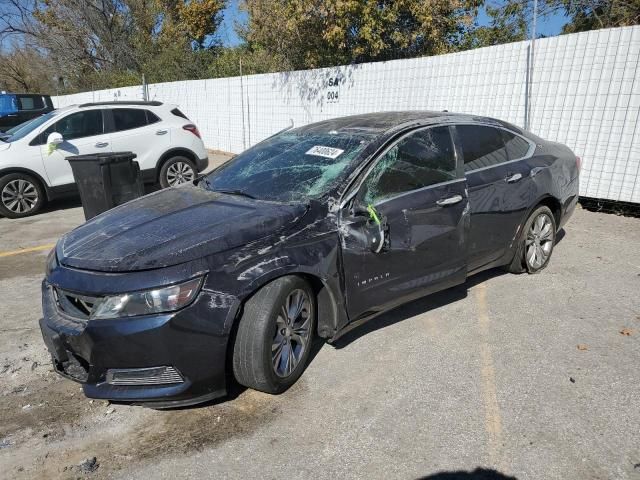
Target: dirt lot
{"type": "Point", "coordinates": [533, 376]}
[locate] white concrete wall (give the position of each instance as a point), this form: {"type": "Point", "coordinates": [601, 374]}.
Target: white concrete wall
{"type": "Point", "coordinates": [585, 94]}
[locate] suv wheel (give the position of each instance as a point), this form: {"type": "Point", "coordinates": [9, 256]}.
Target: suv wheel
{"type": "Point", "coordinates": [177, 170]}
{"type": "Point", "coordinates": [20, 195]}
{"type": "Point", "coordinates": [275, 335]}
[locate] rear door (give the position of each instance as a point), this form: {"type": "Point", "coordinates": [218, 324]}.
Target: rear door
{"type": "Point", "coordinates": [83, 133]}
{"type": "Point", "coordinates": [419, 191]}
{"type": "Point", "coordinates": [500, 188]}
{"type": "Point", "coordinates": [140, 131]}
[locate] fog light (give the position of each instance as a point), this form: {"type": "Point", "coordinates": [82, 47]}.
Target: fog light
{"type": "Point", "coordinates": [144, 376]}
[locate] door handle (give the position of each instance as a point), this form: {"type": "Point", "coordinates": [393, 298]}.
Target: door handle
{"type": "Point", "coordinates": [162, 132]}
{"type": "Point", "coordinates": [536, 170]}
{"type": "Point", "coordinates": [102, 144]}
{"type": "Point", "coordinates": [513, 178]}
{"type": "Point", "coordinates": [444, 202]}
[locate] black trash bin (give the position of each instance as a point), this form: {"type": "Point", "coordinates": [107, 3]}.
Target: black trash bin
{"type": "Point", "coordinates": [106, 180]}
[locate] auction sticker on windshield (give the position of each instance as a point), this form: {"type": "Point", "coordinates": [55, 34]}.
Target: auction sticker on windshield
{"type": "Point", "coordinates": [328, 152]}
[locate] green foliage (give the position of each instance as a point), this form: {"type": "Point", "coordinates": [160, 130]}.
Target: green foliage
{"type": "Point", "coordinates": [592, 14]}
{"type": "Point", "coordinates": [317, 33]}
{"type": "Point", "coordinates": [507, 23]}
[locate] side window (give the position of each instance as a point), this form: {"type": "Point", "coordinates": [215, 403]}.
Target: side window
{"type": "Point", "coordinates": [129, 118]}
{"type": "Point", "coordinates": [421, 159]}
{"type": "Point", "coordinates": [517, 147]}
{"type": "Point", "coordinates": [86, 123]}
{"type": "Point", "coordinates": [178, 113]}
{"type": "Point", "coordinates": [152, 117]}
{"type": "Point", "coordinates": [30, 102]}
{"type": "Point", "coordinates": [481, 146]}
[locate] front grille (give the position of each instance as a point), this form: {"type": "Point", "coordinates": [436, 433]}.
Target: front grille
{"type": "Point", "coordinates": [144, 376]}
{"type": "Point", "coordinates": [75, 305]}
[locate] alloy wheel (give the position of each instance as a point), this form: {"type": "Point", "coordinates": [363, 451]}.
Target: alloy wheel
{"type": "Point", "coordinates": [180, 172]}
{"type": "Point", "coordinates": [19, 196]}
{"type": "Point", "coordinates": [539, 242]}
{"type": "Point", "coordinates": [293, 331]}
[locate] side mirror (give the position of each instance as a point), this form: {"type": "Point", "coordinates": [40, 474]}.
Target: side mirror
{"type": "Point", "coordinates": [359, 209]}
{"type": "Point", "coordinates": [55, 138]}
{"type": "Point", "coordinates": [371, 230]}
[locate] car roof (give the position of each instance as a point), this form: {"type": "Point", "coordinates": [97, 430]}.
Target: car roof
{"type": "Point", "coordinates": [380, 123]}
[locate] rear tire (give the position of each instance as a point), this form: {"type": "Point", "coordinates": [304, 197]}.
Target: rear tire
{"type": "Point", "coordinates": [176, 171]}
{"type": "Point", "coordinates": [21, 195]}
{"type": "Point", "coordinates": [536, 242]}
{"type": "Point", "coordinates": [275, 335]}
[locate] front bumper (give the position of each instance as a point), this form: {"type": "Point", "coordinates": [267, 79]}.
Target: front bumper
{"type": "Point", "coordinates": [192, 342]}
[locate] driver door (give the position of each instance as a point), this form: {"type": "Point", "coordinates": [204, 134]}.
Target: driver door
{"type": "Point", "coordinates": [83, 133]}
{"type": "Point", "coordinates": [418, 192]}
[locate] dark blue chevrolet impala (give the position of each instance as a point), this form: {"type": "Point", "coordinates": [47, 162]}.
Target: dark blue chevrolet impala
{"type": "Point", "coordinates": [167, 298]}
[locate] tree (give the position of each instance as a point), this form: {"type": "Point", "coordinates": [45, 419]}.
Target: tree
{"type": "Point", "coordinates": [593, 14]}
{"type": "Point", "coordinates": [316, 33]}
{"type": "Point", "coordinates": [25, 69]}
{"type": "Point", "coordinates": [95, 43]}
{"type": "Point", "coordinates": [507, 23]}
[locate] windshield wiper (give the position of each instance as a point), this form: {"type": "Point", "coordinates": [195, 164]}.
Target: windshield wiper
{"type": "Point", "coordinates": [236, 192]}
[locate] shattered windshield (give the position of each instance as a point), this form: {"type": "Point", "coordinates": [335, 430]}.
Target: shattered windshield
{"type": "Point", "coordinates": [290, 167]}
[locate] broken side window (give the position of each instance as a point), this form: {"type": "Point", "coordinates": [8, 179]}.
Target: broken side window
{"type": "Point", "coordinates": [423, 158]}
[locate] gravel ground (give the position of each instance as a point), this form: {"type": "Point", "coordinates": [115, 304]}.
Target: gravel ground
{"type": "Point", "coordinates": [527, 375]}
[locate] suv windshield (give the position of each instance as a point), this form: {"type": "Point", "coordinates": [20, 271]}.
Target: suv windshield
{"type": "Point", "coordinates": [24, 129]}
{"type": "Point", "coordinates": [290, 167]}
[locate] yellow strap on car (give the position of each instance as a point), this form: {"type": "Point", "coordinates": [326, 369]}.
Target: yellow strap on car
{"type": "Point", "coordinates": [373, 214]}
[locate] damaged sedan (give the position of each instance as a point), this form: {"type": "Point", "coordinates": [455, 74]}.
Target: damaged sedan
{"type": "Point", "coordinates": [167, 298]}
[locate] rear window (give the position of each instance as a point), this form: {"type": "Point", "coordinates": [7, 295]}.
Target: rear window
{"type": "Point", "coordinates": [30, 102]}
{"type": "Point", "coordinates": [129, 118]}
{"type": "Point", "coordinates": [178, 113]}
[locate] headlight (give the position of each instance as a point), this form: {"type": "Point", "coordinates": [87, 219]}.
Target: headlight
{"type": "Point", "coordinates": [160, 300]}
{"type": "Point", "coordinates": [52, 262]}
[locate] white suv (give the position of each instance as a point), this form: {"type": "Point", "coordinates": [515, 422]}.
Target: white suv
{"type": "Point", "coordinates": [33, 165]}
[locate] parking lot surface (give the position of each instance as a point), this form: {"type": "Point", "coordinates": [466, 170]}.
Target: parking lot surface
{"type": "Point", "coordinates": [533, 376]}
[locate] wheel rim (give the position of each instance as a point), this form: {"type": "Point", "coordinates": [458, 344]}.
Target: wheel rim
{"type": "Point", "coordinates": [180, 172]}
{"type": "Point", "coordinates": [539, 241]}
{"type": "Point", "coordinates": [293, 330]}
{"type": "Point", "coordinates": [19, 196]}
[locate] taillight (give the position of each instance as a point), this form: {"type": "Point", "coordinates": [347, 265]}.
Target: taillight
{"type": "Point", "coordinates": [578, 162]}
{"type": "Point", "coordinates": [193, 129]}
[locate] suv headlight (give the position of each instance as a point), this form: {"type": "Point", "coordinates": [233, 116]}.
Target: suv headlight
{"type": "Point", "coordinates": [159, 300]}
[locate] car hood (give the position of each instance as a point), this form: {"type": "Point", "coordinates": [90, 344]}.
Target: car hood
{"type": "Point", "coordinates": [170, 227]}
{"type": "Point", "coordinates": [4, 146]}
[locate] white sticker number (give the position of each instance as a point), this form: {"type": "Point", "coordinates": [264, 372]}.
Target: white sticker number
{"type": "Point", "coordinates": [328, 152]}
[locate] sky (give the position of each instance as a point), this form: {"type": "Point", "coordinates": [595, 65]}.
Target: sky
{"type": "Point", "coordinates": [548, 26]}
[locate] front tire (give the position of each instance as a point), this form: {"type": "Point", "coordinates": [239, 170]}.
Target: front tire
{"type": "Point", "coordinates": [176, 171]}
{"type": "Point", "coordinates": [536, 242]}
{"type": "Point", "coordinates": [21, 195]}
{"type": "Point", "coordinates": [275, 335]}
